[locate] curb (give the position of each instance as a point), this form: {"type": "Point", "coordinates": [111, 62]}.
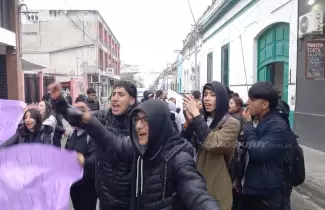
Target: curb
{"type": "Point", "coordinates": [315, 192]}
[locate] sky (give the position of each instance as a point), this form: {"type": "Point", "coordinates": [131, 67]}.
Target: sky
{"type": "Point", "coordinates": [149, 31]}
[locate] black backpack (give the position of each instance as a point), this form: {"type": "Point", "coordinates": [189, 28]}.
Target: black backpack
{"type": "Point", "coordinates": [294, 162]}
{"type": "Point", "coordinates": [169, 190]}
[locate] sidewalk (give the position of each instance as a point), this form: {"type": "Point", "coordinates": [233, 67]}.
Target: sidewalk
{"type": "Point", "coordinates": [314, 185]}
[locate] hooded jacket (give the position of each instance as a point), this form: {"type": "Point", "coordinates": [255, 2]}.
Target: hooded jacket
{"type": "Point", "coordinates": [145, 96]}
{"type": "Point", "coordinates": [163, 174]}
{"type": "Point", "coordinates": [217, 144]}
{"type": "Point", "coordinates": [114, 153]}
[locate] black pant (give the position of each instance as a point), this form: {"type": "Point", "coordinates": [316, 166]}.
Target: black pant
{"type": "Point", "coordinates": [253, 202]}
{"type": "Point", "coordinates": [236, 201]}
{"type": "Point", "coordinates": [83, 195]}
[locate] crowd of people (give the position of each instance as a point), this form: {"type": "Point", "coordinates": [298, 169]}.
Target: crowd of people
{"type": "Point", "coordinates": [213, 153]}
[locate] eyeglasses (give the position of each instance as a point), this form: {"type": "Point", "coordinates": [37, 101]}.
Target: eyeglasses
{"type": "Point", "coordinates": [143, 120]}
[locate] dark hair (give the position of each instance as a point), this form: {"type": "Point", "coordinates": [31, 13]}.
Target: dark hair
{"type": "Point", "coordinates": [130, 88]}
{"type": "Point", "coordinates": [91, 91]}
{"type": "Point", "coordinates": [48, 110]}
{"type": "Point", "coordinates": [196, 94]}
{"type": "Point", "coordinates": [36, 115]}
{"type": "Point", "coordinates": [265, 91]}
{"type": "Point", "coordinates": [209, 87]}
{"type": "Point", "coordinates": [229, 92]}
{"type": "Point", "coordinates": [235, 95]}
{"type": "Point", "coordinates": [159, 93]}
{"type": "Point", "coordinates": [239, 102]}
{"type": "Point", "coordinates": [171, 98]}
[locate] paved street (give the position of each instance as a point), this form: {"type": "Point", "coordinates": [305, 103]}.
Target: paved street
{"type": "Point", "coordinates": [300, 202]}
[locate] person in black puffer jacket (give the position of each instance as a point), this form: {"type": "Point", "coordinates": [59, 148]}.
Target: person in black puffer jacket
{"type": "Point", "coordinates": [31, 130]}
{"type": "Point", "coordinates": [164, 175]}
{"type": "Point", "coordinates": [114, 154]}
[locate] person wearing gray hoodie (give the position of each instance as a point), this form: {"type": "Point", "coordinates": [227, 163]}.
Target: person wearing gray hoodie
{"type": "Point", "coordinates": [178, 119]}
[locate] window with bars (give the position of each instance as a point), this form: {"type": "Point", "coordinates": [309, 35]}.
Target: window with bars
{"type": "Point", "coordinates": [210, 67]}
{"type": "Point", "coordinates": [225, 64]}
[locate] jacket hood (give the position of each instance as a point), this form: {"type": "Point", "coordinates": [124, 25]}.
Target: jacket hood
{"type": "Point", "coordinates": [146, 95]}
{"type": "Point", "coordinates": [171, 106]}
{"type": "Point", "coordinates": [222, 102]}
{"type": "Point", "coordinates": [160, 127]}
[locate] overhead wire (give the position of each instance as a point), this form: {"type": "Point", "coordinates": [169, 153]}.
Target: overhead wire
{"type": "Point", "coordinates": [84, 28]}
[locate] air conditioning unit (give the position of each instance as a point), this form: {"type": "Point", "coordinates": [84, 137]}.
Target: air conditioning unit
{"type": "Point", "coordinates": [311, 23]}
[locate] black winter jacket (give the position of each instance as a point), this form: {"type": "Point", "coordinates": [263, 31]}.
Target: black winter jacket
{"type": "Point", "coordinates": [114, 160]}
{"type": "Point", "coordinates": [79, 141]}
{"type": "Point", "coordinates": [163, 174]}
{"type": "Point", "coordinates": [23, 136]}
{"type": "Point", "coordinates": [114, 153]}
{"type": "Point", "coordinates": [59, 130]}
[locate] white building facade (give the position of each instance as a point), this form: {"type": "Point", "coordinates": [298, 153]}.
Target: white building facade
{"type": "Point", "coordinates": [72, 44]}
{"type": "Point", "coordinates": [248, 41]}
{"type": "Point", "coordinates": [187, 80]}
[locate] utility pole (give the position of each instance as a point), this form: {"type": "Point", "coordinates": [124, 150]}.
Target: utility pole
{"type": "Point", "coordinates": [77, 60]}
{"type": "Point", "coordinates": [195, 46]}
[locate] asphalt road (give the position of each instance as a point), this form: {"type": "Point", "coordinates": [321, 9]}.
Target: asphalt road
{"type": "Point", "coordinates": [301, 202]}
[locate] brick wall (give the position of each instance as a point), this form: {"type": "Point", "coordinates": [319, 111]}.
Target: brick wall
{"type": "Point", "coordinates": [15, 75]}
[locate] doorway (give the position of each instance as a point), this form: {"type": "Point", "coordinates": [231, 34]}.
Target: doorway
{"type": "Point", "coordinates": [277, 77]}
{"type": "Point", "coordinates": [273, 58]}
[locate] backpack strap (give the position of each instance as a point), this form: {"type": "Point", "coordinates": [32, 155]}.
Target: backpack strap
{"type": "Point", "coordinates": [164, 169]}
{"type": "Point", "coordinates": [163, 175]}
{"type": "Point", "coordinates": [88, 139]}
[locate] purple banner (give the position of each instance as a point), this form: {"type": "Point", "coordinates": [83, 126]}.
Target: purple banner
{"type": "Point", "coordinates": [11, 112]}
{"type": "Point", "coordinates": [37, 177]}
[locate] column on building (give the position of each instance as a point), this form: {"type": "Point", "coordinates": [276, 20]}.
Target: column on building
{"type": "Point", "coordinates": [15, 75]}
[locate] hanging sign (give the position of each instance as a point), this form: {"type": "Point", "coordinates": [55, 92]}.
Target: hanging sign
{"type": "Point", "coordinates": [315, 60]}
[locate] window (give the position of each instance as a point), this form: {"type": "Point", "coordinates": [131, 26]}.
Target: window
{"type": "Point", "coordinates": [210, 67]}
{"type": "Point", "coordinates": [4, 14]}
{"type": "Point", "coordinates": [225, 64]}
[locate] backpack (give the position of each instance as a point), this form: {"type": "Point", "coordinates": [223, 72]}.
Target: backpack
{"type": "Point", "coordinates": [165, 172]}
{"type": "Point", "coordinates": [294, 162]}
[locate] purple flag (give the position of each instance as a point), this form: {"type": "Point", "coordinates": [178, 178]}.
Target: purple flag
{"type": "Point", "coordinates": [37, 177]}
{"type": "Point", "coordinates": [11, 113]}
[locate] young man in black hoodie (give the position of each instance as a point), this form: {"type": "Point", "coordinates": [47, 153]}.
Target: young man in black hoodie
{"type": "Point", "coordinates": [114, 154]}
{"type": "Point", "coordinates": [164, 173]}
{"type": "Point", "coordinates": [179, 185]}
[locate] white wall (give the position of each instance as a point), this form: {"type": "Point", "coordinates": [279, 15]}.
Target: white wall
{"type": "Point", "coordinates": [49, 34]}
{"type": "Point", "coordinates": [7, 37]}
{"type": "Point", "coordinates": [42, 59]}
{"type": "Point", "coordinates": [65, 62]}
{"type": "Point", "coordinates": [188, 63]}
{"type": "Point", "coordinates": [248, 25]}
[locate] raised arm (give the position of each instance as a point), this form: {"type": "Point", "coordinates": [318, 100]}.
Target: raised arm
{"type": "Point", "coordinates": [217, 141]}
{"type": "Point", "coordinates": [12, 141]}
